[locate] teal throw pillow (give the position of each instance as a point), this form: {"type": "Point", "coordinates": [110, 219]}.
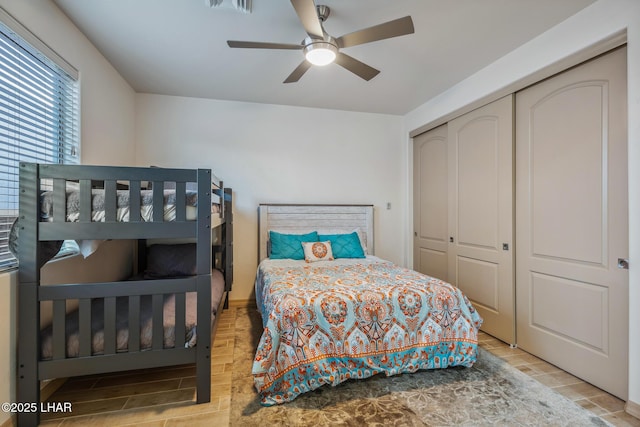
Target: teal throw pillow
{"type": "Point", "coordinates": [289, 246]}
{"type": "Point", "coordinates": [344, 245]}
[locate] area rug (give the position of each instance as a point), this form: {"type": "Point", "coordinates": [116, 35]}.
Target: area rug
{"type": "Point", "coordinates": [491, 393]}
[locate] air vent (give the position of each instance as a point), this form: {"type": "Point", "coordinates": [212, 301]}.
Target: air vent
{"type": "Point", "coordinates": [240, 5]}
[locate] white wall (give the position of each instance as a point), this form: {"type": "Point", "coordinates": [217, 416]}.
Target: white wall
{"type": "Point", "coordinates": [107, 132]}
{"type": "Point", "coordinates": [280, 154]}
{"type": "Point", "coordinates": [580, 35]}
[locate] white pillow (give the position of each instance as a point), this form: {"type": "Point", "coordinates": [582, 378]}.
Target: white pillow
{"type": "Point", "coordinates": [317, 251]}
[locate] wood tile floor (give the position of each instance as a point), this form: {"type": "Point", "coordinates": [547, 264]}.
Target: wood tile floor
{"type": "Point", "coordinates": [592, 398]}
{"type": "Point", "coordinates": [164, 397]}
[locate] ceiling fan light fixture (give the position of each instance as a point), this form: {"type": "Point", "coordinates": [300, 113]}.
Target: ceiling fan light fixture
{"type": "Point", "coordinates": [320, 53]}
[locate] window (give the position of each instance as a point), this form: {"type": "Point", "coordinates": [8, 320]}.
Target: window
{"type": "Point", "coordinates": [38, 115]}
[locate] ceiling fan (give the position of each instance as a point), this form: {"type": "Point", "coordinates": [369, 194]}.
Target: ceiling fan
{"type": "Point", "coordinates": [321, 49]}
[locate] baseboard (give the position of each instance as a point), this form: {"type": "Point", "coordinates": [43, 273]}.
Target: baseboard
{"type": "Point", "coordinates": [242, 303]}
{"type": "Point", "coordinates": [11, 422]}
{"type": "Point", "coordinates": [632, 408]}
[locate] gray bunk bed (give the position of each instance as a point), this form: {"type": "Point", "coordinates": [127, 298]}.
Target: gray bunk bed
{"type": "Point", "coordinates": [141, 305]}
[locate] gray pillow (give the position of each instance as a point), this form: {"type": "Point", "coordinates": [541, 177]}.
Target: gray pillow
{"type": "Point", "coordinates": [171, 260]}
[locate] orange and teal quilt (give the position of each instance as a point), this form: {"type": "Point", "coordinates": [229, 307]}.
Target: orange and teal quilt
{"type": "Point", "coordinates": [330, 321]}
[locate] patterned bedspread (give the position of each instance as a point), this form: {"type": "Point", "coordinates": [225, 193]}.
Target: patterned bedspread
{"type": "Point", "coordinates": [330, 321]}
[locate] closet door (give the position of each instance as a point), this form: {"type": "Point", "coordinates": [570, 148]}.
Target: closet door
{"type": "Point", "coordinates": [481, 213]}
{"type": "Point", "coordinates": [572, 221]}
{"type": "Point", "coordinates": [430, 203]}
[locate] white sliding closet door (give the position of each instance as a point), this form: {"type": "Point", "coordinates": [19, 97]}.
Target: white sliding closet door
{"type": "Point", "coordinates": [430, 203]}
{"type": "Point", "coordinates": [481, 213]}
{"type": "Point", "coordinates": [572, 221]}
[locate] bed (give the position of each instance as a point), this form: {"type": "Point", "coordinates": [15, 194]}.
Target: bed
{"type": "Point", "coordinates": [340, 313]}
{"type": "Point", "coordinates": [164, 315]}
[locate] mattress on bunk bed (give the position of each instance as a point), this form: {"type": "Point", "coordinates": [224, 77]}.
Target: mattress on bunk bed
{"type": "Point", "coordinates": [87, 247]}
{"type": "Point", "coordinates": [122, 331]}
{"type": "Point", "coordinates": [122, 204]}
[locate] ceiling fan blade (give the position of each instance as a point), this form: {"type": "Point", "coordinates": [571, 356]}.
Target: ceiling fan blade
{"type": "Point", "coordinates": [298, 72]}
{"type": "Point", "coordinates": [397, 27]}
{"type": "Point", "coordinates": [263, 45]}
{"type": "Point", "coordinates": [356, 67]}
{"type": "Point", "coordinates": [306, 10]}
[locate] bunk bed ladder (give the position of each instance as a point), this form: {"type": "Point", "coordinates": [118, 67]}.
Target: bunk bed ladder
{"type": "Point", "coordinates": [203, 271]}
{"type": "Point", "coordinates": [28, 387]}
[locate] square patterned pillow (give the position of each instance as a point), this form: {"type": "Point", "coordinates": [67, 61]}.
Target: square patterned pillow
{"type": "Point", "coordinates": [317, 251]}
{"type": "Point", "coordinates": [344, 245]}
{"type": "Point", "coordinates": [288, 246]}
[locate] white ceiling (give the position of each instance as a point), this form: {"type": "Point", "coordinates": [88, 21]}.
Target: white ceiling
{"type": "Point", "coordinates": [178, 47]}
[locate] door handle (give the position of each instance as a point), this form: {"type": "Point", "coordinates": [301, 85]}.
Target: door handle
{"type": "Point", "coordinates": [623, 263]}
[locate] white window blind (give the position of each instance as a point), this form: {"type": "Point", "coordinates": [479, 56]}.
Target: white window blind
{"type": "Point", "coordinates": [38, 116]}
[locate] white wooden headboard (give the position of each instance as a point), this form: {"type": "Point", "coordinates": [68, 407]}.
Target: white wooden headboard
{"type": "Point", "coordinates": [325, 219]}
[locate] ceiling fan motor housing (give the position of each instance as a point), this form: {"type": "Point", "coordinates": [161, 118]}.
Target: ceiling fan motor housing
{"type": "Point", "coordinates": [320, 51]}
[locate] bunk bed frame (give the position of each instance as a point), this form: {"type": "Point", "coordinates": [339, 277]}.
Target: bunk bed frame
{"type": "Point", "coordinates": [31, 368]}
